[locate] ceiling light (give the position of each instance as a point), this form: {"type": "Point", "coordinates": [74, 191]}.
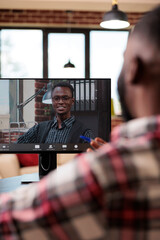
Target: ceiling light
{"type": "Point", "coordinates": [115, 19]}
{"type": "Point", "coordinates": [69, 64]}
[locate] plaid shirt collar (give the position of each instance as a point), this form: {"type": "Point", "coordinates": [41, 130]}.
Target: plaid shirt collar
{"type": "Point", "coordinates": [137, 128]}
{"type": "Point", "coordinates": [66, 123]}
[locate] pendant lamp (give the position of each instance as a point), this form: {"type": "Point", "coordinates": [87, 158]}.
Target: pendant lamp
{"type": "Point", "coordinates": [69, 64]}
{"type": "Point", "coordinates": [115, 19]}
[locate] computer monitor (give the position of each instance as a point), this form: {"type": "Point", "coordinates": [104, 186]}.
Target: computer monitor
{"type": "Point", "coordinates": [30, 108]}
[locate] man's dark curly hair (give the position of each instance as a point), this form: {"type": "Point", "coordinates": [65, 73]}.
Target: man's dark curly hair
{"type": "Point", "coordinates": [64, 84]}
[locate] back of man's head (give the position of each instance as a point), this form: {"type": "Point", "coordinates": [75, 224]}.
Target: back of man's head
{"type": "Point", "coordinates": [149, 26]}
{"type": "Point", "coordinates": [148, 32]}
{"type": "Point", "coordinates": [139, 81]}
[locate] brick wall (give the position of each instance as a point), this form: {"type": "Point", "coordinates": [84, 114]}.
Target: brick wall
{"type": "Point", "coordinates": [51, 18]}
{"type": "Point", "coordinates": [42, 111]}
{"type": "Point", "coordinates": [11, 136]}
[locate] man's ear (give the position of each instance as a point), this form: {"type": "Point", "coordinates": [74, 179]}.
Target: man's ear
{"type": "Point", "coordinates": [134, 71]}
{"type": "Point", "coordinates": [73, 100]}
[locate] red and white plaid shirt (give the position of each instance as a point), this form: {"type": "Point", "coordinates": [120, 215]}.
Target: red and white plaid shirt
{"type": "Point", "coordinates": [113, 193]}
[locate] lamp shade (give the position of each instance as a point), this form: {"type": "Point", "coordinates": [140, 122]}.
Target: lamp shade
{"type": "Point", "coordinates": [47, 99]}
{"type": "Point", "coordinates": [69, 65]}
{"type": "Point", "coordinates": [115, 19]}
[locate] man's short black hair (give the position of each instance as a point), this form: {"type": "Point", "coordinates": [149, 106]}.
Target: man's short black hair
{"type": "Point", "coordinates": [64, 84]}
{"type": "Point", "coordinates": [149, 26]}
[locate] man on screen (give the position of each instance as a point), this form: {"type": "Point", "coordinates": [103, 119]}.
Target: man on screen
{"type": "Point", "coordinates": [64, 128]}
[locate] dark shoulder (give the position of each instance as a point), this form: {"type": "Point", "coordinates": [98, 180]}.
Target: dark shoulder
{"type": "Point", "coordinates": [80, 124]}
{"type": "Point", "coordinates": [45, 123]}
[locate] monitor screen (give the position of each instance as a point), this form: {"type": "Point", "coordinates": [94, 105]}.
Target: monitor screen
{"type": "Point", "coordinates": [53, 115]}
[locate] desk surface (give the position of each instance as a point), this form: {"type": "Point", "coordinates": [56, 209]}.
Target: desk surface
{"type": "Point", "coordinates": [12, 183]}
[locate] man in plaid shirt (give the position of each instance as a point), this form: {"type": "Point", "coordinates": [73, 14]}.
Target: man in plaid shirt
{"type": "Point", "coordinates": [113, 192]}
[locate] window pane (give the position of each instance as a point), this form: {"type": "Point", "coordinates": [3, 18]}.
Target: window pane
{"type": "Point", "coordinates": [63, 47]}
{"type": "Point", "coordinates": [21, 53]}
{"type": "Point", "coordinates": [106, 57]}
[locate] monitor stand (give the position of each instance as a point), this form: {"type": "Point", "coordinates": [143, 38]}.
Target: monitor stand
{"type": "Point", "coordinates": [47, 163]}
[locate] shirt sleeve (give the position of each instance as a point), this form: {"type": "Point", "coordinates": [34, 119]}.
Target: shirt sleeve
{"type": "Point", "coordinates": [88, 133]}
{"type": "Point", "coordinates": [30, 136]}
{"type": "Point", "coordinates": [66, 204]}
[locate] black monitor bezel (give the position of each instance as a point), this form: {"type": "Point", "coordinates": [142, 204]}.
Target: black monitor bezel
{"type": "Point", "coordinates": [69, 149]}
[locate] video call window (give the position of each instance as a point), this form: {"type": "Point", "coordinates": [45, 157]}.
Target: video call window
{"type": "Point", "coordinates": [28, 104]}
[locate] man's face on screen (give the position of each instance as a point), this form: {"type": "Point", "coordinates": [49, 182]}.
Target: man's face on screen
{"type": "Point", "coordinates": [62, 101]}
